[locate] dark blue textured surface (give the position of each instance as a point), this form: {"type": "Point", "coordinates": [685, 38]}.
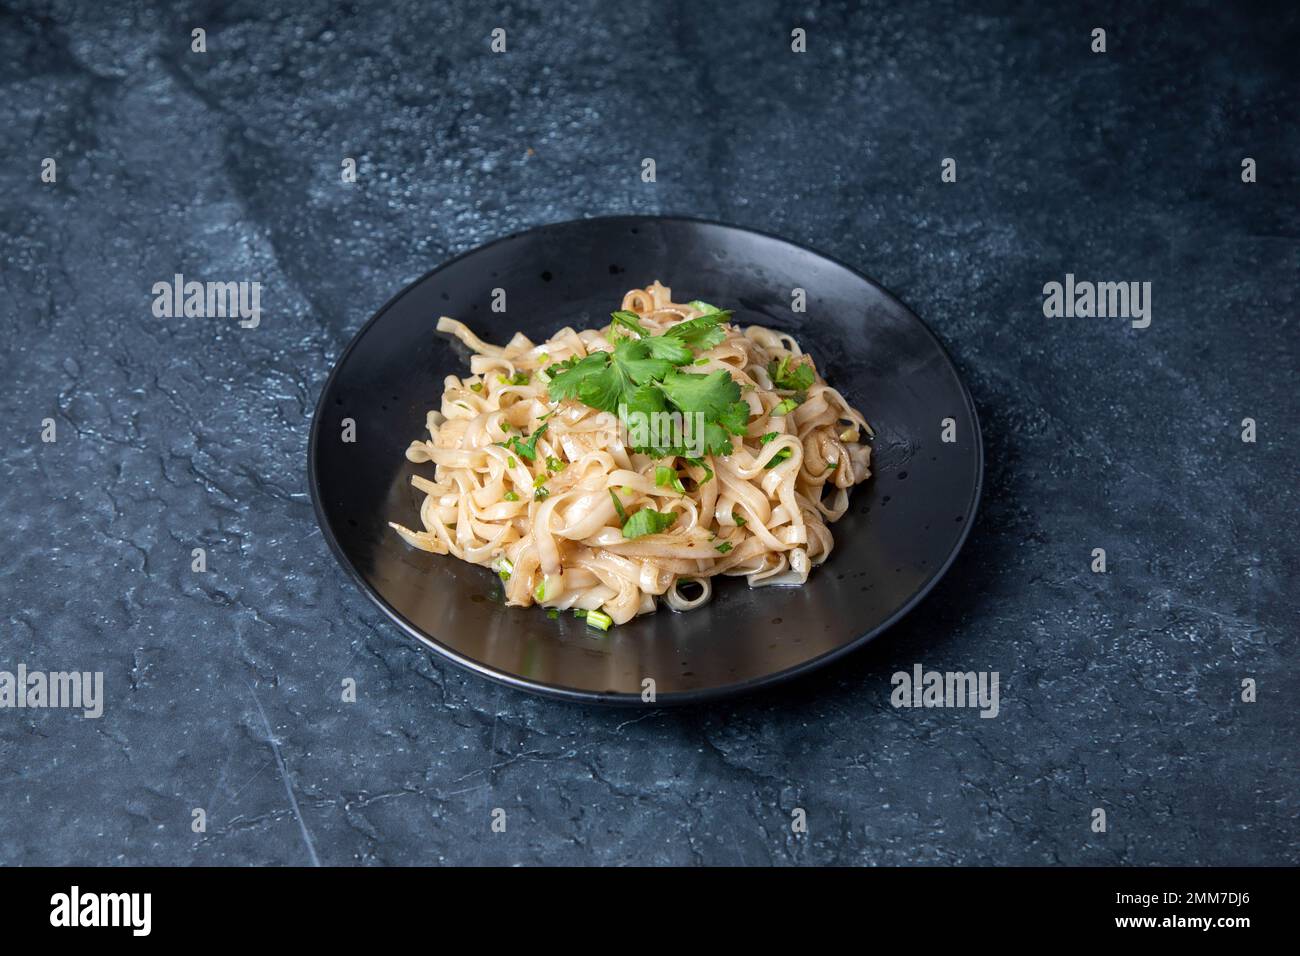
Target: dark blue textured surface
{"type": "Point", "coordinates": [1120, 691]}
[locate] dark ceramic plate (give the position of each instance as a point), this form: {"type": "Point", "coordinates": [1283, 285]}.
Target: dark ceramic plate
{"type": "Point", "coordinates": [902, 531]}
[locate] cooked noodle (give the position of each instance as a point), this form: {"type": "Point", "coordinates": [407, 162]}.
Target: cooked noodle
{"type": "Point", "coordinates": [550, 525]}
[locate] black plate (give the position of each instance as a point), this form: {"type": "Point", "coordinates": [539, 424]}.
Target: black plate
{"type": "Point", "coordinates": [902, 531]}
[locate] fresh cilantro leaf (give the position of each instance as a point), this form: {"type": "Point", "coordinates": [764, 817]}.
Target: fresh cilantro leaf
{"type": "Point", "coordinates": [631, 320]}
{"type": "Point", "coordinates": [791, 377]}
{"type": "Point", "coordinates": [634, 360]}
{"type": "Point", "coordinates": [648, 521]}
{"type": "Point", "coordinates": [525, 449]}
{"type": "Point", "coordinates": [716, 439]}
{"type": "Point", "coordinates": [735, 418]}
{"type": "Point", "coordinates": [672, 350]}
{"type": "Point", "coordinates": [669, 348]}
{"type": "Point", "coordinates": [573, 372]}
{"type": "Point", "coordinates": [711, 394]}
{"type": "Point", "coordinates": [603, 389]}
{"type": "Point", "coordinates": [646, 400]}
{"type": "Point", "coordinates": [702, 332]}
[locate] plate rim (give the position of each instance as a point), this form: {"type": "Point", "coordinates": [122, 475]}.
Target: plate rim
{"type": "Point", "coordinates": [618, 698]}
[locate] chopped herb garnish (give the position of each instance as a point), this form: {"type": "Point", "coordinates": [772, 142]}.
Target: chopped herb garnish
{"type": "Point", "coordinates": [525, 449]}
{"type": "Point", "coordinates": [702, 332]}
{"type": "Point", "coordinates": [552, 614]}
{"type": "Point", "coordinates": [554, 464]}
{"type": "Point", "coordinates": [700, 463]}
{"type": "Point", "coordinates": [542, 493]}
{"type": "Point", "coordinates": [476, 386]}
{"type": "Point", "coordinates": [667, 478]}
{"type": "Point", "coordinates": [648, 521]}
{"type": "Point", "coordinates": [787, 405]}
{"type": "Point", "coordinates": [618, 506]}
{"type": "Point", "coordinates": [539, 592]}
{"type": "Point", "coordinates": [579, 612]}
{"type": "Point", "coordinates": [519, 378]}
{"type": "Point", "coordinates": [779, 457]}
{"type": "Point", "coordinates": [738, 519]}
{"type": "Point", "coordinates": [794, 378]}
{"type": "Point", "coordinates": [599, 620]}
{"type": "Point", "coordinates": [511, 496]}
{"type": "Point", "coordinates": [724, 547]}
{"type": "Point", "coordinates": [770, 436]}
{"type": "Point", "coordinates": [641, 376]}
{"type": "Point", "coordinates": [510, 462]}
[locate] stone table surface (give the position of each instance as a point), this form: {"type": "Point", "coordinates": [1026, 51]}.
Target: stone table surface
{"type": "Point", "coordinates": [1120, 691]}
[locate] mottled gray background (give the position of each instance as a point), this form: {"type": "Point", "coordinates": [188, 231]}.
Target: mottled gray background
{"type": "Point", "coordinates": [223, 690]}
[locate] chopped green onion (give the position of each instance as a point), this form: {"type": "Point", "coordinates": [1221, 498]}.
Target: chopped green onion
{"type": "Point", "coordinates": [541, 494]}
{"type": "Point", "coordinates": [724, 547]}
{"type": "Point", "coordinates": [779, 457]}
{"type": "Point", "coordinates": [738, 519]}
{"type": "Point", "coordinates": [511, 463]}
{"type": "Point", "coordinates": [553, 614]}
{"type": "Point", "coordinates": [787, 405]}
{"type": "Point", "coordinates": [510, 496]}
{"type": "Point", "coordinates": [599, 619]}
{"type": "Point", "coordinates": [770, 436]}
{"type": "Point", "coordinates": [579, 612]}
{"type": "Point", "coordinates": [476, 387]}
{"type": "Point", "coordinates": [554, 464]}
{"type": "Point", "coordinates": [667, 478]}
{"type": "Point", "coordinates": [539, 592]}
{"type": "Point", "coordinates": [703, 361]}
{"type": "Point", "coordinates": [618, 506]}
